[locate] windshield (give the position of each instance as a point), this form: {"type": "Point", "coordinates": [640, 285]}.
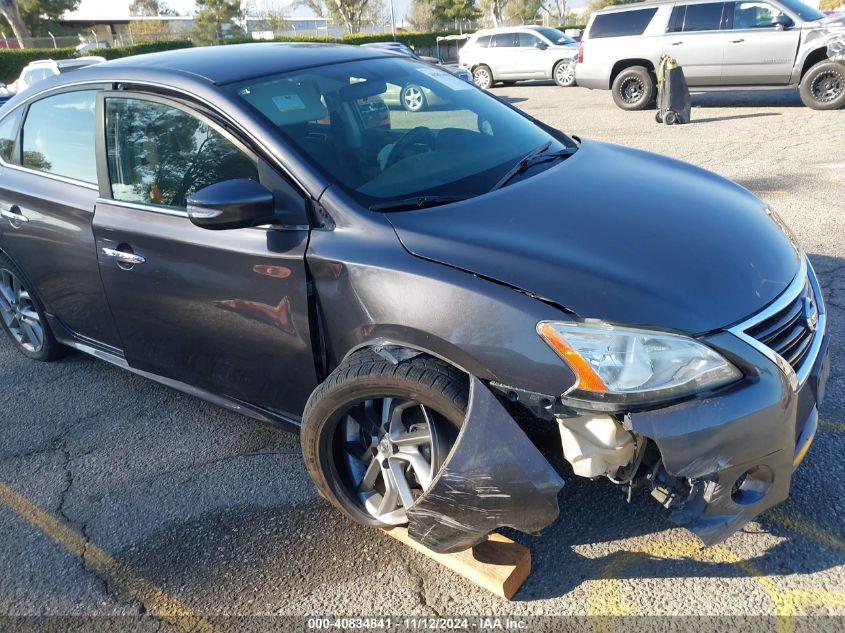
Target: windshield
{"type": "Point", "coordinates": [803, 11]}
{"type": "Point", "coordinates": [554, 36]}
{"type": "Point", "coordinates": [393, 128]}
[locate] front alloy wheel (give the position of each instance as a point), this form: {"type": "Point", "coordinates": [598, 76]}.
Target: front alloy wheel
{"type": "Point", "coordinates": [482, 77]}
{"type": "Point", "coordinates": [19, 314]}
{"type": "Point", "coordinates": [413, 99]}
{"type": "Point", "coordinates": [375, 434]}
{"type": "Point", "coordinates": [392, 449]}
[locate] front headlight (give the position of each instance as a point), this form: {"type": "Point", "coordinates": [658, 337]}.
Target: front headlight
{"type": "Point", "coordinates": [618, 366]}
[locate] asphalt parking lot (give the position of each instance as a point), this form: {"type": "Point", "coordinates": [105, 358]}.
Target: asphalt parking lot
{"type": "Point", "coordinates": [120, 497]}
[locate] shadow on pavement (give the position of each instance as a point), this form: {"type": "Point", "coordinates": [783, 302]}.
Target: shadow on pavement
{"type": "Point", "coordinates": [734, 117]}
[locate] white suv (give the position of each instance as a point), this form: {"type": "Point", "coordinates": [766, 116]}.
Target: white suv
{"type": "Point", "coordinates": [43, 69]}
{"type": "Point", "coordinates": [745, 44]}
{"type": "Point", "coordinates": [514, 53]}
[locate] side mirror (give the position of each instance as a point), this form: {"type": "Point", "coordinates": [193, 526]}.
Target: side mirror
{"type": "Point", "coordinates": [232, 204]}
{"type": "Point", "coordinates": [782, 22]}
{"type": "Point", "coordinates": [541, 45]}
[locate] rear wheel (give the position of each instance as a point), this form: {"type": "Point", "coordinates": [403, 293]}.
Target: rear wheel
{"type": "Point", "coordinates": [482, 77]}
{"type": "Point", "coordinates": [634, 88]}
{"type": "Point", "coordinates": [564, 73]}
{"type": "Point", "coordinates": [22, 317]}
{"type": "Point", "coordinates": [374, 434]}
{"type": "Point", "coordinates": [823, 86]}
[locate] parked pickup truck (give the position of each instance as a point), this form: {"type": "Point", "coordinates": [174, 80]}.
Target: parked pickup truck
{"type": "Point", "coordinates": [747, 44]}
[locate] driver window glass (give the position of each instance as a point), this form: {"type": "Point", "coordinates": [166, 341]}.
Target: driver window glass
{"type": "Point", "coordinates": [526, 40]}
{"type": "Point", "coordinates": [754, 15]}
{"type": "Point", "coordinates": [160, 155]}
{"type": "Point", "coordinates": [502, 40]}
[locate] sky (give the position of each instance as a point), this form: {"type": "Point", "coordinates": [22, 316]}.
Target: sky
{"type": "Point", "coordinates": [118, 8]}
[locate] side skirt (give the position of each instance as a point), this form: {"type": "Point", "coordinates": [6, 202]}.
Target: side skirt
{"type": "Point", "coordinates": [111, 355]}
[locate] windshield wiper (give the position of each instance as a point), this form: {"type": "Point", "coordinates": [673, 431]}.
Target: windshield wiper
{"type": "Point", "coordinates": [416, 202]}
{"type": "Point", "coordinates": [534, 157]}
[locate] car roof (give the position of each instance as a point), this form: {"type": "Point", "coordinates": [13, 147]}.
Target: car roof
{"type": "Point", "coordinates": [645, 4]}
{"type": "Point", "coordinates": [511, 29]}
{"type": "Point", "coordinates": [238, 62]}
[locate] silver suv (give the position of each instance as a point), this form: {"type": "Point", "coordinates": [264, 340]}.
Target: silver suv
{"type": "Point", "coordinates": [750, 44]}
{"type": "Point", "coordinates": [514, 53]}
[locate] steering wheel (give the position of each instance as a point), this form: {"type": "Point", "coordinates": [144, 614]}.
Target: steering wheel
{"type": "Point", "coordinates": [420, 139]}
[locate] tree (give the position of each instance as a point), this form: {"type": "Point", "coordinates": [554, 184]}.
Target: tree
{"type": "Point", "coordinates": [317, 7]}
{"type": "Point", "coordinates": [595, 5]}
{"type": "Point", "coordinates": [272, 12]}
{"type": "Point", "coordinates": [36, 12]}
{"type": "Point", "coordinates": [495, 10]}
{"type": "Point", "coordinates": [9, 9]}
{"type": "Point", "coordinates": [212, 15]}
{"type": "Point", "coordinates": [422, 16]}
{"type": "Point", "coordinates": [523, 11]}
{"type": "Point", "coordinates": [428, 15]}
{"type": "Point", "coordinates": [830, 5]}
{"type": "Point", "coordinates": [150, 8]}
{"type": "Point", "coordinates": [556, 10]}
{"type": "Point", "coordinates": [353, 14]}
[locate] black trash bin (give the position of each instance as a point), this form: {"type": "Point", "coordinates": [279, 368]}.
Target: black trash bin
{"type": "Point", "coordinates": [673, 99]}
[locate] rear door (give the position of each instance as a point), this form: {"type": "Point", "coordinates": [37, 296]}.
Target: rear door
{"type": "Point", "coordinates": [48, 189]}
{"type": "Point", "coordinates": [695, 37]}
{"type": "Point", "coordinates": [225, 311]}
{"type": "Point", "coordinates": [756, 52]}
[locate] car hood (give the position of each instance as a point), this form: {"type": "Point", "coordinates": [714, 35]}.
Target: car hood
{"type": "Point", "coordinates": [618, 234]}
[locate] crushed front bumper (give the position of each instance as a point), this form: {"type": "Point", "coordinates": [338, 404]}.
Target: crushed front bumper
{"type": "Point", "coordinates": [734, 452]}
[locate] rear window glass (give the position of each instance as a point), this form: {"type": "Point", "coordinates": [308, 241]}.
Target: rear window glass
{"type": "Point", "coordinates": [58, 136]}
{"type": "Point", "coordinates": [621, 23]}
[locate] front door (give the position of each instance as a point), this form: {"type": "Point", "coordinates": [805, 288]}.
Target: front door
{"type": "Point", "coordinates": [531, 56]}
{"type": "Point", "coordinates": [758, 52]}
{"type": "Point", "coordinates": [225, 311]}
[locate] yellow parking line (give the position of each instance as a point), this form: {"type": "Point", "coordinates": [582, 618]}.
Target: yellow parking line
{"type": "Point", "coordinates": [606, 599]}
{"type": "Point", "coordinates": [156, 600]}
{"type": "Point", "coordinates": [805, 528]}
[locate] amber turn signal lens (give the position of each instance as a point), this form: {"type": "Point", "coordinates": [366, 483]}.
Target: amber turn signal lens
{"type": "Point", "coordinates": [588, 379]}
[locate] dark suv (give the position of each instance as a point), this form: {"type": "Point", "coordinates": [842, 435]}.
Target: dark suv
{"type": "Point", "coordinates": [254, 225]}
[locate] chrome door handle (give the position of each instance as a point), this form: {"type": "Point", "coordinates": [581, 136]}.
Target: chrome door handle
{"type": "Point", "coordinates": [736, 41]}
{"type": "Point", "coordinates": [14, 214]}
{"type": "Point", "coordinates": [123, 257]}
{"type": "Point", "coordinates": [675, 43]}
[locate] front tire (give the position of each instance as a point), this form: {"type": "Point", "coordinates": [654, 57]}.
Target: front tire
{"type": "Point", "coordinates": [413, 99]}
{"type": "Point", "coordinates": [22, 316]}
{"type": "Point", "coordinates": [375, 434]}
{"type": "Point", "coordinates": [482, 77]}
{"type": "Point", "coordinates": [564, 73]}
{"type": "Point", "coordinates": [634, 88]}
{"type": "Point", "coordinates": [823, 86]}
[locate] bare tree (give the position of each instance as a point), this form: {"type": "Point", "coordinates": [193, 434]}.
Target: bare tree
{"type": "Point", "coordinates": [317, 7]}
{"type": "Point", "coordinates": [9, 10]}
{"type": "Point", "coordinates": [556, 10]}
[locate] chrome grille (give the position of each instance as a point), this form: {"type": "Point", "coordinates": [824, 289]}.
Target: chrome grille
{"type": "Point", "coordinates": [790, 330]}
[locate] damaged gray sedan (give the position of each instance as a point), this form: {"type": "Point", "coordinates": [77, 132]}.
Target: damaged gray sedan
{"type": "Point", "coordinates": [410, 289]}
